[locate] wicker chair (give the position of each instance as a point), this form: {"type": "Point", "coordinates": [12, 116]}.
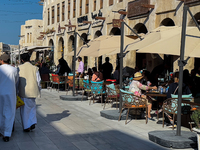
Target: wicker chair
{"type": "Point", "coordinates": [170, 106]}
{"type": "Point", "coordinates": [97, 88]}
{"type": "Point", "coordinates": [131, 101]}
{"type": "Point", "coordinates": [86, 87]}
{"type": "Point", "coordinates": [112, 94]}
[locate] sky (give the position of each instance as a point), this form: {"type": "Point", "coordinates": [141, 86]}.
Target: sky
{"type": "Point", "coordinates": [13, 14]}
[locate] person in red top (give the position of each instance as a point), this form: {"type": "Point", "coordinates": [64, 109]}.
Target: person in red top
{"type": "Point", "coordinates": [97, 75]}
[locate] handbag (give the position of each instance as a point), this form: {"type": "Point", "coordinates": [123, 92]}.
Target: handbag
{"type": "Point", "coordinates": [19, 102]}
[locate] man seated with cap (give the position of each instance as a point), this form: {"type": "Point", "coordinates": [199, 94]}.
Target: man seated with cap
{"type": "Point", "coordinates": [136, 86]}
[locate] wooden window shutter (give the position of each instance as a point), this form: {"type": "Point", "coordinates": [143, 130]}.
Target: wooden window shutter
{"type": "Point", "coordinates": [63, 11]}
{"type": "Point", "coordinates": [48, 16]}
{"type": "Point", "coordinates": [95, 4]}
{"type": "Point", "coordinates": [68, 9]}
{"type": "Point", "coordinates": [53, 15]}
{"type": "Point", "coordinates": [58, 12]}
{"type": "Point", "coordinates": [110, 2]}
{"type": "Point", "coordinates": [81, 7]}
{"type": "Point", "coordinates": [101, 4]}
{"type": "Point", "coordinates": [74, 9]}
{"type": "Point", "coordinates": [87, 6]}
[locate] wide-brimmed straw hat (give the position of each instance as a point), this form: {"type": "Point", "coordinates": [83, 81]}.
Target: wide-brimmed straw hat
{"type": "Point", "coordinates": [137, 76]}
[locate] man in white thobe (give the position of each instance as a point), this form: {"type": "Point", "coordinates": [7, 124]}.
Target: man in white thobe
{"type": "Point", "coordinates": [8, 80]}
{"type": "Point", "coordinates": [29, 90]}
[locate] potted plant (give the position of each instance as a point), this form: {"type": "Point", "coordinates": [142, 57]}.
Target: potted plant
{"type": "Point", "coordinates": [196, 118]}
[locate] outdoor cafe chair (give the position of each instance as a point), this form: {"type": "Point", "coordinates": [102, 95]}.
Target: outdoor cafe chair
{"type": "Point", "coordinates": [170, 106]}
{"type": "Point", "coordinates": [97, 88]}
{"type": "Point", "coordinates": [86, 88]}
{"type": "Point", "coordinates": [112, 92]}
{"type": "Point", "coordinates": [57, 80]}
{"type": "Point", "coordinates": [46, 79]}
{"type": "Point", "coordinates": [131, 101]}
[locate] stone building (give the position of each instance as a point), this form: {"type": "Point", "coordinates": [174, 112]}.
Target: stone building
{"type": "Point", "coordinates": [143, 16]}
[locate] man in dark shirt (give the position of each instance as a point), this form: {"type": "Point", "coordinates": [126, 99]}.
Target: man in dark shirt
{"type": "Point", "coordinates": [107, 69]}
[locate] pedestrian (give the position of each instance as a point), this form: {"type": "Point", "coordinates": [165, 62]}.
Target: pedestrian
{"type": "Point", "coordinates": [8, 81]}
{"type": "Point", "coordinates": [107, 69]}
{"type": "Point", "coordinates": [29, 90]}
{"type": "Point", "coordinates": [81, 66]}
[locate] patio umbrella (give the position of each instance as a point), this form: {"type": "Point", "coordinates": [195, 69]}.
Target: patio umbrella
{"type": "Point", "coordinates": [169, 41]}
{"type": "Point", "coordinates": [102, 45]}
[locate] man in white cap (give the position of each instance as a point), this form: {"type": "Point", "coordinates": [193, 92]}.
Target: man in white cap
{"type": "Point", "coordinates": [8, 81]}
{"type": "Point", "coordinates": [29, 90]}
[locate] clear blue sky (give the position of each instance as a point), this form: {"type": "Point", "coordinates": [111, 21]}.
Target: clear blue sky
{"type": "Point", "coordinates": [13, 14]}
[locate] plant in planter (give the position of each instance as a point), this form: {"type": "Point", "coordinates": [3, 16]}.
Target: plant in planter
{"type": "Point", "coordinates": [196, 117]}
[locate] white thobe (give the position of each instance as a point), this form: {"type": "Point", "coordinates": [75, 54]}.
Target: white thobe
{"type": "Point", "coordinates": [8, 79]}
{"type": "Point", "coordinates": [28, 111]}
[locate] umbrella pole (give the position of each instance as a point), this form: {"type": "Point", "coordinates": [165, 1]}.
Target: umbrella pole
{"type": "Point", "coordinates": [181, 65]}
{"type": "Point", "coordinates": [74, 62]}
{"type": "Point", "coordinates": [121, 62]}
{"type": "Point", "coordinates": [19, 56]}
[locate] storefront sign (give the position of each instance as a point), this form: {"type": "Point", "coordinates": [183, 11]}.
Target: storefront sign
{"type": "Point", "coordinates": [191, 1]}
{"type": "Point", "coordinates": [6, 47]}
{"type": "Point", "coordinates": [81, 19]}
{"type": "Point", "coordinates": [117, 23]}
{"type": "Point", "coordinates": [135, 8]}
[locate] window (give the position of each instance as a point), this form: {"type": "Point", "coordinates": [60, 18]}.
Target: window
{"type": "Point", "coordinates": [58, 12]}
{"type": "Point", "coordinates": [81, 7]}
{"type": "Point", "coordinates": [48, 16]}
{"type": "Point", "coordinates": [95, 4]}
{"type": "Point", "coordinates": [86, 6]}
{"type": "Point", "coordinates": [53, 15]}
{"type": "Point", "coordinates": [110, 2]}
{"type": "Point", "coordinates": [27, 37]}
{"type": "Point", "coordinates": [30, 37]}
{"type": "Point", "coordinates": [68, 9]}
{"type": "Point", "coordinates": [74, 9]}
{"type": "Point", "coordinates": [101, 4]}
{"type": "Point", "coordinates": [63, 11]}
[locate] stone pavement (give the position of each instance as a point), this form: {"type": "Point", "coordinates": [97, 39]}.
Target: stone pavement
{"type": "Point", "coordinates": [76, 125]}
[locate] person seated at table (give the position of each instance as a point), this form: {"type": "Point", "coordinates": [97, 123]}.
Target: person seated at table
{"type": "Point", "coordinates": [63, 67]}
{"type": "Point", "coordinates": [97, 75]}
{"type": "Point", "coordinates": [117, 74]}
{"type": "Point", "coordinates": [89, 73]}
{"type": "Point", "coordinates": [136, 87]}
{"type": "Point", "coordinates": [173, 87]}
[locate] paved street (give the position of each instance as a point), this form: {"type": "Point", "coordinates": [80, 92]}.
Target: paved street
{"type": "Point", "coordinates": [74, 125]}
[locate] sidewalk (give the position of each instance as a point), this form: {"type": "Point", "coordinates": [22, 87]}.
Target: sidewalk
{"type": "Point", "coordinates": [76, 125]}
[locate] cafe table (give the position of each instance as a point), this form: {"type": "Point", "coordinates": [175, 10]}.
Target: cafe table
{"type": "Point", "coordinates": [162, 96]}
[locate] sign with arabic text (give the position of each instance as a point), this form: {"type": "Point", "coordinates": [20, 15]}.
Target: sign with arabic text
{"type": "Point", "coordinates": [117, 22]}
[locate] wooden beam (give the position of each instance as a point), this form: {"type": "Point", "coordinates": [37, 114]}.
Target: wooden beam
{"type": "Point", "coordinates": [62, 28]}
{"type": "Point", "coordinates": [20, 35]}
{"type": "Point", "coordinates": [100, 18]}
{"type": "Point", "coordinates": [42, 32]}
{"type": "Point", "coordinates": [148, 6]}
{"type": "Point", "coordinates": [70, 25]}
{"type": "Point", "coordinates": [88, 22]}
{"type": "Point", "coordinates": [123, 12]}
{"type": "Point", "coordinates": [181, 0]}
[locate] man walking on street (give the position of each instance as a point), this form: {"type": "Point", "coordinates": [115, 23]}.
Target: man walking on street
{"type": "Point", "coordinates": [29, 90]}
{"type": "Point", "coordinates": [81, 66]}
{"type": "Point", "coordinates": [8, 81]}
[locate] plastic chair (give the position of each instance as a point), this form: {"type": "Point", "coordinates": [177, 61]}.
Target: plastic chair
{"type": "Point", "coordinates": [57, 80]}
{"type": "Point", "coordinates": [131, 101]}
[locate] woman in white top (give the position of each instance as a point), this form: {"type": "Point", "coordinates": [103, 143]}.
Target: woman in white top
{"type": "Point", "coordinates": [136, 87]}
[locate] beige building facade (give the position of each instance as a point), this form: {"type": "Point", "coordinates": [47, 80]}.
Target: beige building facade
{"type": "Point", "coordinates": [143, 16]}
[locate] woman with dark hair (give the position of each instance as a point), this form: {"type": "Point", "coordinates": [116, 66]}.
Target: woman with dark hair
{"type": "Point", "coordinates": [97, 75]}
{"type": "Point", "coordinates": [63, 67]}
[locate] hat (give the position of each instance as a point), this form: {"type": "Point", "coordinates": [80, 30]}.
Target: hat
{"type": "Point", "coordinates": [137, 76]}
{"type": "Point", "coordinates": [5, 57]}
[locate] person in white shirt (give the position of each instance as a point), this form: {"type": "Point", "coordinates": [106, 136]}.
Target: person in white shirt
{"type": "Point", "coordinates": [8, 81]}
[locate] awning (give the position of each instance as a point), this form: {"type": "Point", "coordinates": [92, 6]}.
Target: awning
{"type": "Point", "coordinates": [167, 40]}
{"type": "Point", "coordinates": [101, 45]}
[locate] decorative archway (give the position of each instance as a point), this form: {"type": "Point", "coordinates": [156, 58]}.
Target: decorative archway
{"type": "Point", "coordinates": [51, 53]}
{"type": "Point", "coordinates": [115, 31]}
{"type": "Point", "coordinates": [167, 22]}
{"type": "Point", "coordinates": [97, 34]}
{"type": "Point", "coordinates": [140, 28]}
{"type": "Point", "coordinates": [61, 47]}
